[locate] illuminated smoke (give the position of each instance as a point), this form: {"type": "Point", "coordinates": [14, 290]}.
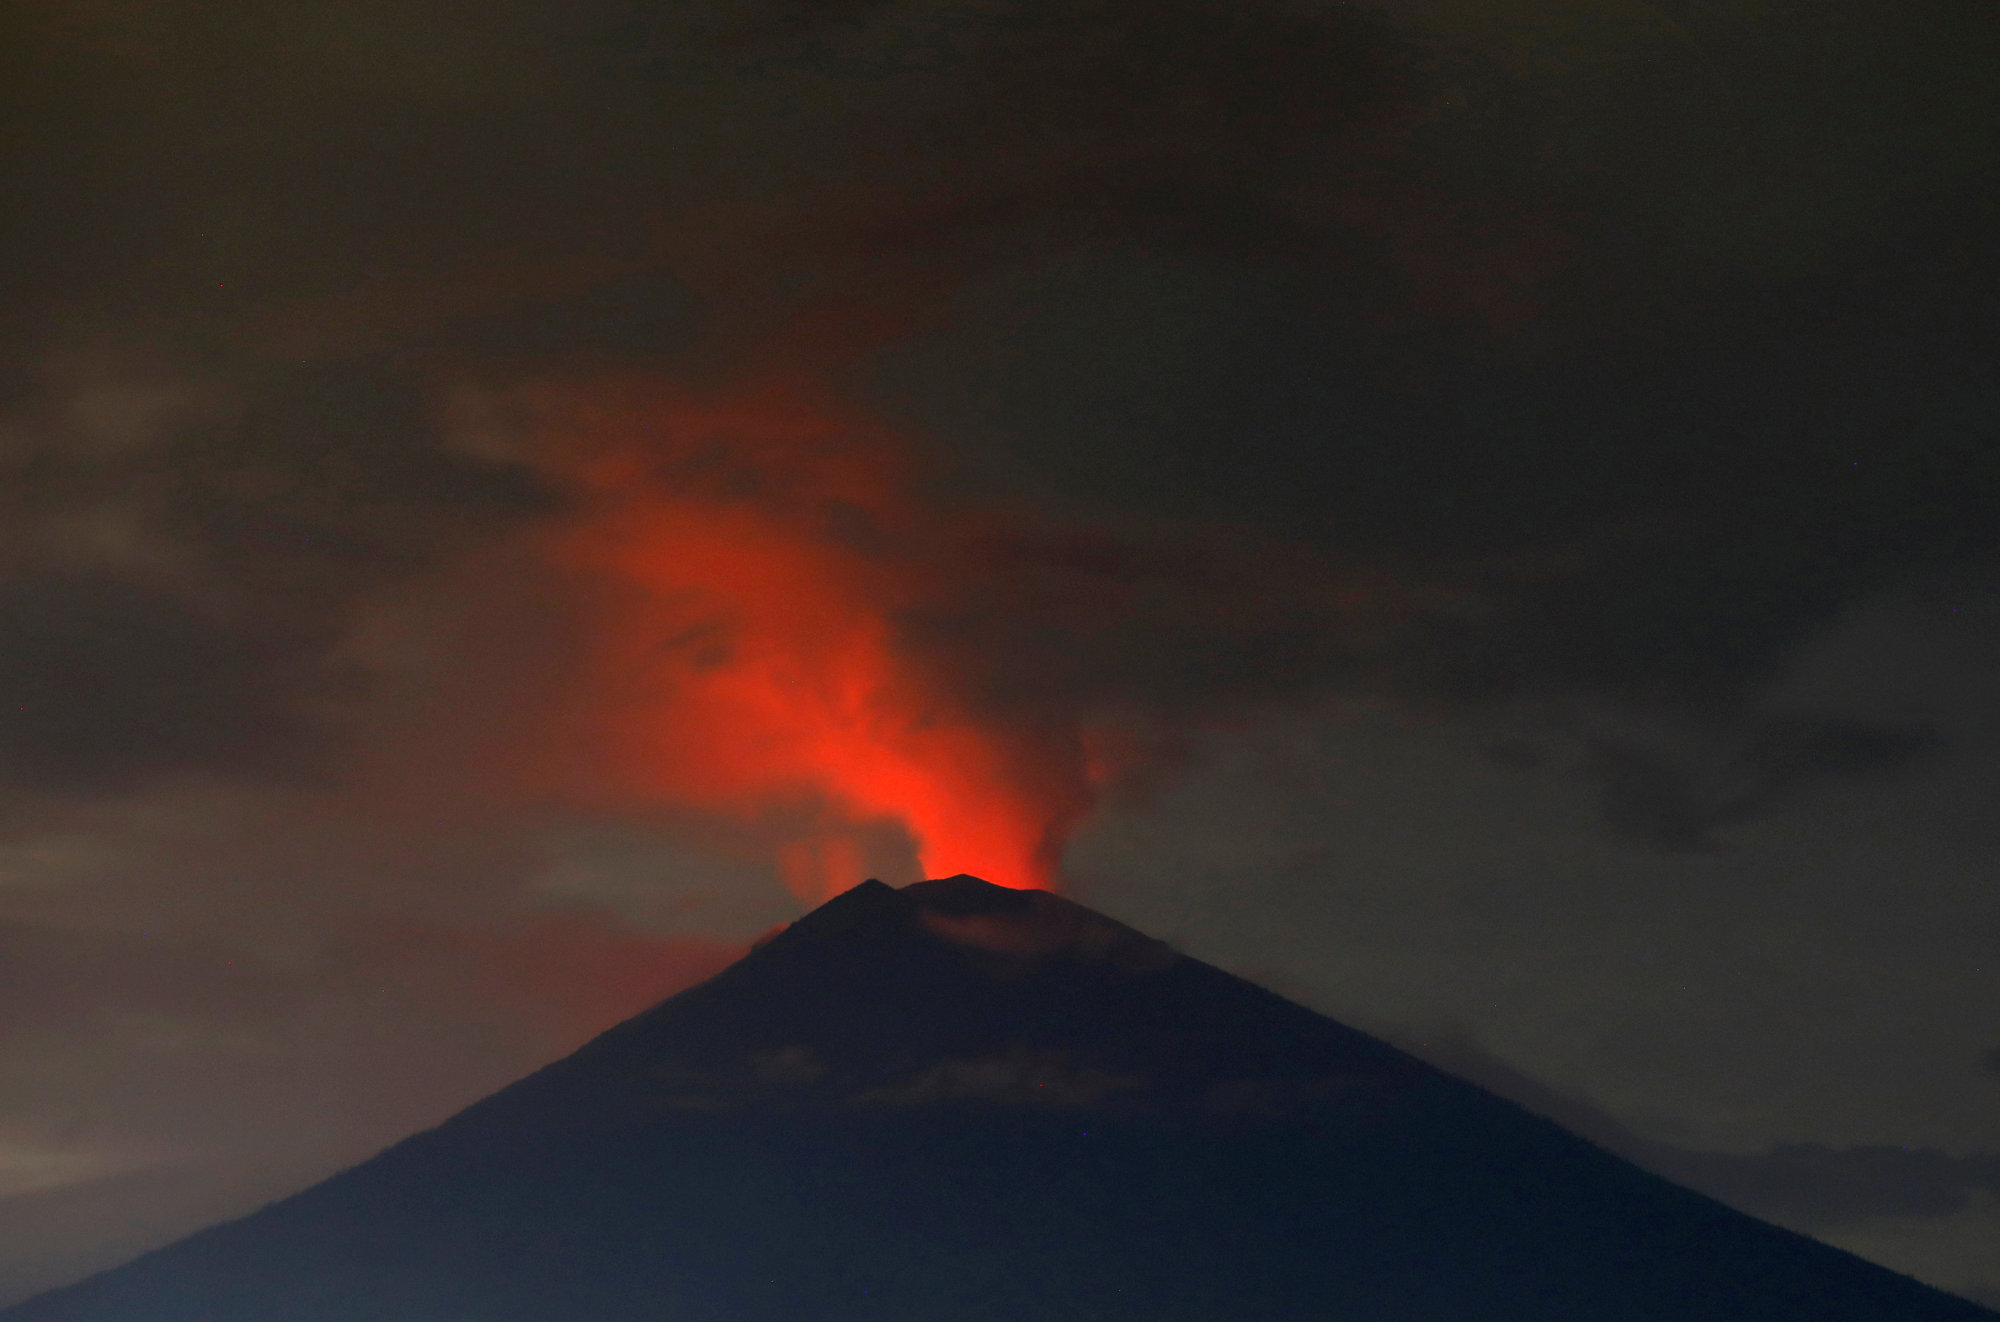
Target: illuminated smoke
{"type": "Point", "coordinates": [752, 559]}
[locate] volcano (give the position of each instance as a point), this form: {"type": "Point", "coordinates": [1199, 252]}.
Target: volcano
{"type": "Point", "coordinates": [956, 1102]}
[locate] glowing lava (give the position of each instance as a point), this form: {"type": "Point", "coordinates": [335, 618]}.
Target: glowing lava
{"type": "Point", "coordinates": [761, 558]}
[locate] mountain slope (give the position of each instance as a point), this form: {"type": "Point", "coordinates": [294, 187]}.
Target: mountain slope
{"type": "Point", "coordinates": [958, 1102]}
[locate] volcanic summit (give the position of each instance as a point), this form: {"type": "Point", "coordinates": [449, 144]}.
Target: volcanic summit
{"type": "Point", "coordinates": [960, 1103]}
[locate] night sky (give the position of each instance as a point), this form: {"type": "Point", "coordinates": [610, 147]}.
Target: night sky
{"type": "Point", "coordinates": [1476, 514]}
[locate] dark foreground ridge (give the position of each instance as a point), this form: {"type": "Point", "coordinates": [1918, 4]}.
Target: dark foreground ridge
{"type": "Point", "coordinates": [958, 1103]}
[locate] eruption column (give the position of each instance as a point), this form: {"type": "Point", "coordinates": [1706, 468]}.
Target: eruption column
{"type": "Point", "coordinates": [748, 654]}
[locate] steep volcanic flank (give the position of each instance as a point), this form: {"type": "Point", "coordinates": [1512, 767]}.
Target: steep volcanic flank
{"type": "Point", "coordinates": [957, 1102]}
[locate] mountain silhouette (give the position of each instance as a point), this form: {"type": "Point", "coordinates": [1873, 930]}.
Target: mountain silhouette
{"type": "Point", "coordinates": [960, 1103]}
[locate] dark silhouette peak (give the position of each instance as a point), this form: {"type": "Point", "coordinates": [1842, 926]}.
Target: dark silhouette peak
{"type": "Point", "coordinates": [1000, 925]}
{"type": "Point", "coordinates": [965, 894]}
{"type": "Point", "coordinates": [958, 1101]}
{"type": "Point", "coordinates": [872, 908]}
{"type": "Point", "coordinates": [870, 897]}
{"type": "Point", "coordinates": [1029, 926]}
{"type": "Point", "coordinates": [1019, 927]}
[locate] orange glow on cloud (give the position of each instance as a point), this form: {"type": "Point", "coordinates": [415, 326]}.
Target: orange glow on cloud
{"type": "Point", "coordinates": [758, 556]}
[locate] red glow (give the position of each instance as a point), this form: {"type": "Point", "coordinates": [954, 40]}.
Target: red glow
{"type": "Point", "coordinates": [748, 656]}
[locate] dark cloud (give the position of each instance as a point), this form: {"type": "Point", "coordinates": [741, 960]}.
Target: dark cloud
{"type": "Point", "coordinates": [1716, 428]}
{"type": "Point", "coordinates": [1812, 1186]}
{"type": "Point", "coordinates": [1809, 1187]}
{"type": "Point", "coordinates": [105, 681]}
{"type": "Point", "coordinates": [648, 317]}
{"type": "Point", "coordinates": [1648, 516]}
{"type": "Point", "coordinates": [1629, 345]}
{"type": "Point", "coordinates": [1049, 620]}
{"type": "Point", "coordinates": [174, 600]}
{"type": "Point", "coordinates": [1428, 289]}
{"type": "Point", "coordinates": [334, 475]}
{"type": "Point", "coordinates": [62, 982]}
{"type": "Point", "coordinates": [1654, 798]}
